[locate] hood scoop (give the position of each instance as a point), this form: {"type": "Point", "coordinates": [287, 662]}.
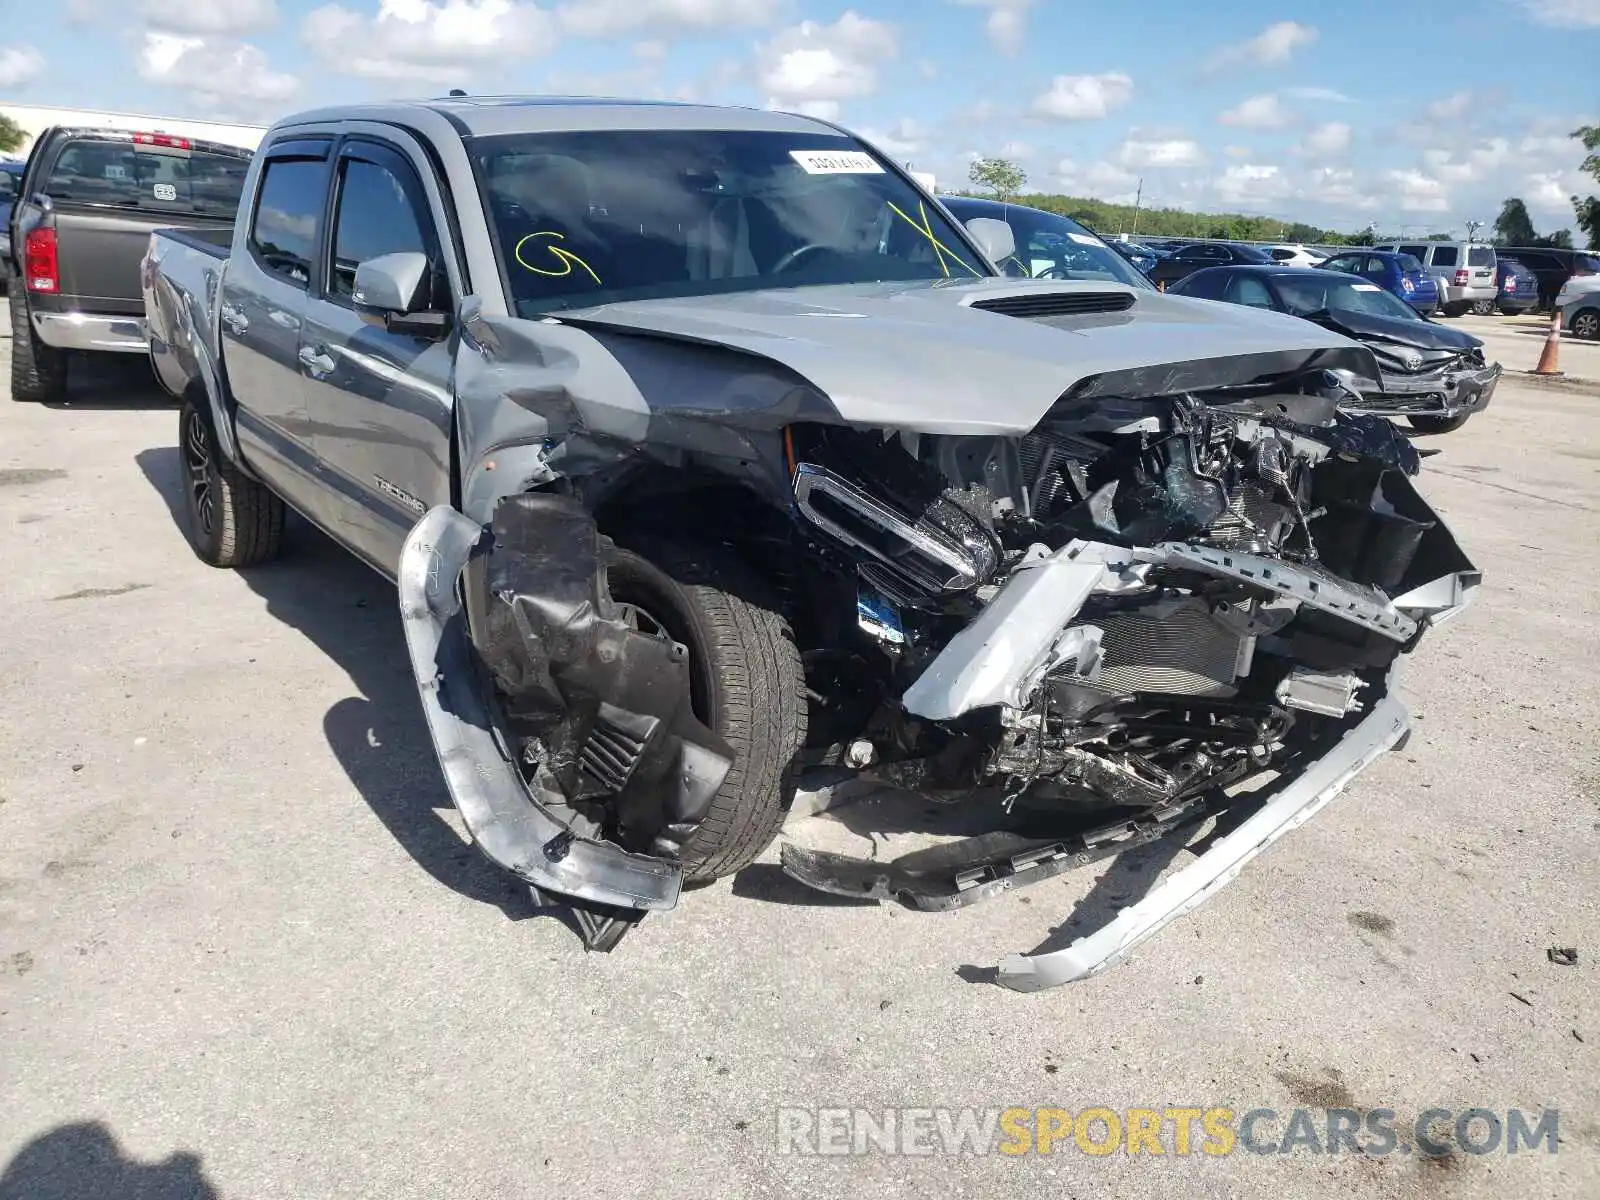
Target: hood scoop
{"type": "Point", "coordinates": [1031, 305]}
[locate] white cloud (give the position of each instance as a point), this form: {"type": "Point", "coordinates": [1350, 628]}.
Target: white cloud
{"type": "Point", "coordinates": [1236, 151]}
{"type": "Point", "coordinates": [1172, 152]}
{"type": "Point", "coordinates": [1258, 112]}
{"type": "Point", "coordinates": [1251, 184]}
{"type": "Point", "coordinates": [811, 67]}
{"type": "Point", "coordinates": [1325, 95]}
{"type": "Point", "coordinates": [214, 71]}
{"type": "Point", "coordinates": [1084, 97]}
{"type": "Point", "coordinates": [901, 140]}
{"type": "Point", "coordinates": [606, 18]}
{"type": "Point", "coordinates": [19, 65]}
{"type": "Point", "coordinates": [210, 18]}
{"type": "Point", "coordinates": [1451, 107]}
{"type": "Point", "coordinates": [82, 12]}
{"type": "Point", "coordinates": [1338, 188]}
{"type": "Point", "coordinates": [433, 40]}
{"type": "Point", "coordinates": [1415, 191]}
{"type": "Point", "coordinates": [1332, 138]}
{"type": "Point", "coordinates": [1274, 44]}
{"type": "Point", "coordinates": [650, 51]}
{"type": "Point", "coordinates": [1564, 14]}
{"type": "Point", "coordinates": [1007, 23]}
{"type": "Point", "coordinates": [1100, 180]}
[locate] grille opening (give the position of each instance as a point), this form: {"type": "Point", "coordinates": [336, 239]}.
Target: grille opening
{"type": "Point", "coordinates": [1056, 304]}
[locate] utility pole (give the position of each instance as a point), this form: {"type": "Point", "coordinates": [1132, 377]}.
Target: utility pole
{"type": "Point", "coordinates": [1137, 196]}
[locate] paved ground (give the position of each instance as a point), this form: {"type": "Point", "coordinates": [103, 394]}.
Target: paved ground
{"type": "Point", "coordinates": [1516, 343]}
{"type": "Point", "coordinates": [243, 949]}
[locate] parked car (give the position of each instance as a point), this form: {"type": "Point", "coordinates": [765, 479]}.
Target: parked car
{"type": "Point", "coordinates": [1401, 275]}
{"type": "Point", "coordinates": [1293, 256]}
{"type": "Point", "coordinates": [1433, 376]}
{"type": "Point", "coordinates": [1519, 289]}
{"type": "Point", "coordinates": [1049, 245]}
{"type": "Point", "coordinates": [1188, 259]}
{"type": "Point", "coordinates": [1141, 256]}
{"type": "Point", "coordinates": [1554, 266]}
{"type": "Point", "coordinates": [698, 440]}
{"type": "Point", "coordinates": [10, 184]}
{"type": "Point", "coordinates": [1579, 301]}
{"type": "Point", "coordinates": [1464, 271]}
{"type": "Point", "coordinates": [86, 205]}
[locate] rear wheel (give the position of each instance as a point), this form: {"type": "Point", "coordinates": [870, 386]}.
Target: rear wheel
{"type": "Point", "coordinates": [1483, 308]}
{"type": "Point", "coordinates": [747, 686]}
{"type": "Point", "coordinates": [38, 371]}
{"type": "Point", "coordinates": [234, 521]}
{"type": "Point", "coordinates": [1455, 310]}
{"type": "Point", "coordinates": [1439, 424]}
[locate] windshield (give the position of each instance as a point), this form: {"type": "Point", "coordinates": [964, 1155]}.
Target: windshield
{"type": "Point", "coordinates": [1050, 246]}
{"type": "Point", "coordinates": [1307, 294]}
{"type": "Point", "coordinates": [166, 179]}
{"type": "Point", "coordinates": [587, 218]}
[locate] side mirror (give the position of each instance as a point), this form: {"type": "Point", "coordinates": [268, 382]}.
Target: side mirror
{"type": "Point", "coordinates": [393, 291]}
{"type": "Point", "coordinates": [994, 238]}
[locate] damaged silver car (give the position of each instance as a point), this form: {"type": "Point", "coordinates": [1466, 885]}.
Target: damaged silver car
{"type": "Point", "coordinates": [704, 445]}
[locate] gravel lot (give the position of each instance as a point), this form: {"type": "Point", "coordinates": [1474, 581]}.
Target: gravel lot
{"type": "Point", "coordinates": [244, 949]}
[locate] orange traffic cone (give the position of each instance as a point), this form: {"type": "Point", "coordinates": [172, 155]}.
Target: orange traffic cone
{"type": "Point", "coordinates": [1552, 347]}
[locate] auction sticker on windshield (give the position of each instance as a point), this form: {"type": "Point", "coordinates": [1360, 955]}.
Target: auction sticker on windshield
{"type": "Point", "coordinates": [836, 162]}
{"type": "Point", "coordinates": [1366, 287]}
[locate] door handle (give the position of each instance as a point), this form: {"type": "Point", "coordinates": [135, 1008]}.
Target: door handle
{"type": "Point", "coordinates": [315, 360]}
{"type": "Point", "coordinates": [233, 317]}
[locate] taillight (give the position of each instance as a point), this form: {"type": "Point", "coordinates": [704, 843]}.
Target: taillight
{"type": "Point", "coordinates": [1511, 283]}
{"type": "Point", "coordinates": [1462, 276]}
{"type": "Point", "coordinates": [41, 266]}
{"type": "Point", "coordinates": [160, 139]}
{"type": "Point", "coordinates": [1582, 271]}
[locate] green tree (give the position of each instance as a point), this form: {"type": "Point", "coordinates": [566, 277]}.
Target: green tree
{"type": "Point", "coordinates": [1513, 227]}
{"type": "Point", "coordinates": [1588, 208]}
{"type": "Point", "coordinates": [12, 135]}
{"type": "Point", "coordinates": [1561, 239]}
{"type": "Point", "coordinates": [1000, 177]}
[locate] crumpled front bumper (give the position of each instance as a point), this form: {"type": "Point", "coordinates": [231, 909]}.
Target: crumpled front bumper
{"type": "Point", "coordinates": [1445, 393]}
{"type": "Point", "coordinates": [514, 827]}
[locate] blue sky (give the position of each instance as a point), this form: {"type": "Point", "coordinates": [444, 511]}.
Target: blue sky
{"type": "Point", "coordinates": [1403, 112]}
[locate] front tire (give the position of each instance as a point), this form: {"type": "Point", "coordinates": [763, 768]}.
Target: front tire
{"type": "Point", "coordinates": [748, 686]}
{"type": "Point", "coordinates": [1439, 424]}
{"type": "Point", "coordinates": [38, 370]}
{"type": "Point", "coordinates": [1586, 324]}
{"type": "Point", "coordinates": [233, 520]}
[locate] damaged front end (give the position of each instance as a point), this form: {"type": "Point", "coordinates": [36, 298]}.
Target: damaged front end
{"type": "Point", "coordinates": [1113, 626]}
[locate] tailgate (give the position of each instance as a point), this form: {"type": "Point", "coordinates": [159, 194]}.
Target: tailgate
{"type": "Point", "coordinates": [99, 252]}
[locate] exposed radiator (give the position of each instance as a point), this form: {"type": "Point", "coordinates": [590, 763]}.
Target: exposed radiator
{"type": "Point", "coordinates": [1173, 646]}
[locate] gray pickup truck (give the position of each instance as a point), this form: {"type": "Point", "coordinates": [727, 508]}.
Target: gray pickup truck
{"type": "Point", "coordinates": [705, 446]}
{"type": "Point", "coordinates": [83, 212]}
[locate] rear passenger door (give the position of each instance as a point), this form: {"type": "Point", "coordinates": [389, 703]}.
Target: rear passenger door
{"type": "Point", "coordinates": [262, 307]}
{"type": "Point", "coordinates": [381, 401]}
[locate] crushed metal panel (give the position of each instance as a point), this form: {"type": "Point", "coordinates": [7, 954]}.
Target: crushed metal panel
{"type": "Point", "coordinates": [510, 825]}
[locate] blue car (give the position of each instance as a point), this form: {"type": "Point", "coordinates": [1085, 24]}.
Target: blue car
{"type": "Point", "coordinates": [10, 181]}
{"type": "Point", "coordinates": [1402, 275]}
{"type": "Point", "coordinates": [1519, 288]}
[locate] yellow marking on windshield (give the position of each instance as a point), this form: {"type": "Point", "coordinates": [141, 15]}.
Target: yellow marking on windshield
{"type": "Point", "coordinates": [925, 228]}
{"type": "Point", "coordinates": [560, 253]}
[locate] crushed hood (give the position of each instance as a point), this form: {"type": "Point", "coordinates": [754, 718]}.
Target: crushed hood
{"type": "Point", "coordinates": [1423, 335]}
{"type": "Point", "coordinates": [920, 356]}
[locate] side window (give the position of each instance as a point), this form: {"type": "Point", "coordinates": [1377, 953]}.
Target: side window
{"type": "Point", "coordinates": [1420, 253]}
{"type": "Point", "coordinates": [1375, 268]}
{"type": "Point", "coordinates": [381, 210]}
{"type": "Point", "coordinates": [1205, 285]}
{"type": "Point", "coordinates": [1247, 289]}
{"type": "Point", "coordinates": [283, 236]}
{"type": "Point", "coordinates": [1342, 263]}
{"type": "Point", "coordinates": [1444, 256]}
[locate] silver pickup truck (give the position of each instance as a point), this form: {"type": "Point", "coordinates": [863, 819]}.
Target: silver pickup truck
{"type": "Point", "coordinates": [704, 446]}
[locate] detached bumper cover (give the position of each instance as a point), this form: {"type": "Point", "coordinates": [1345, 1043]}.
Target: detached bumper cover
{"type": "Point", "coordinates": [1435, 394]}
{"type": "Point", "coordinates": [1183, 892]}
{"type": "Point", "coordinates": [506, 821]}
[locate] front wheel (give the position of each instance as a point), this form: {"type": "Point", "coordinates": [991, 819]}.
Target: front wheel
{"type": "Point", "coordinates": [1439, 424]}
{"type": "Point", "coordinates": [746, 684]}
{"type": "Point", "coordinates": [233, 520]}
{"type": "Point", "coordinates": [1586, 324]}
